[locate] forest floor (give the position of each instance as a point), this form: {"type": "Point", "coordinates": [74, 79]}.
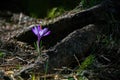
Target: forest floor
{"type": "Point", "coordinates": [16, 54]}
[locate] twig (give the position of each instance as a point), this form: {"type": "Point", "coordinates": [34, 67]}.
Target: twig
{"type": "Point", "coordinates": [77, 59]}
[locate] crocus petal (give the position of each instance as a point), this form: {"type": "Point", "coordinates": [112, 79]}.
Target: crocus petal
{"type": "Point", "coordinates": [47, 33]}
{"type": "Point", "coordinates": [34, 29]}
{"type": "Point", "coordinates": [39, 28]}
{"type": "Point", "coordinates": [45, 30]}
{"type": "Point", "coordinates": [42, 32]}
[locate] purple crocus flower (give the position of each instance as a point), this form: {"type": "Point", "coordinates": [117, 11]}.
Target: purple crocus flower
{"type": "Point", "coordinates": [39, 32]}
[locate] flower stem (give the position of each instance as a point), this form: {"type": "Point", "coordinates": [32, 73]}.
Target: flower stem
{"type": "Point", "coordinates": [39, 44]}
{"type": "Point", "coordinates": [38, 48]}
